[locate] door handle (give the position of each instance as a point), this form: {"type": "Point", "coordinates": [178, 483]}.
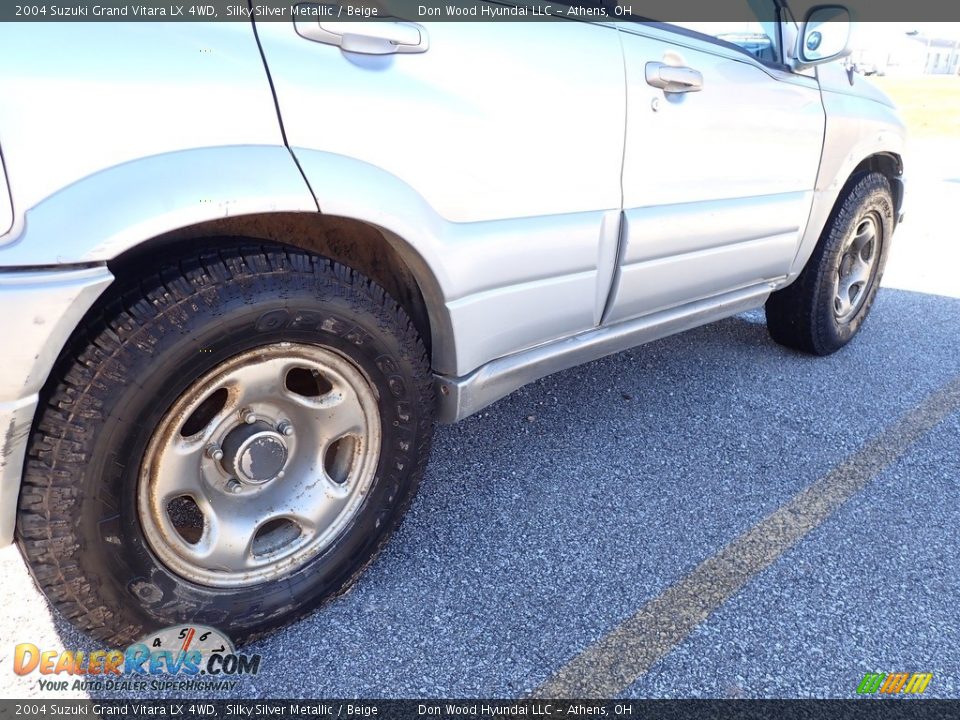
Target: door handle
{"type": "Point", "coordinates": [367, 37]}
{"type": "Point", "coordinates": [673, 78]}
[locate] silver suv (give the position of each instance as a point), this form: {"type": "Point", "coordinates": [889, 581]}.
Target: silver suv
{"type": "Point", "coordinates": [246, 265]}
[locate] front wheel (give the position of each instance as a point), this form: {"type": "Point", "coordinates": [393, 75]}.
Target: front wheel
{"type": "Point", "coordinates": [826, 305]}
{"type": "Point", "coordinates": [231, 442]}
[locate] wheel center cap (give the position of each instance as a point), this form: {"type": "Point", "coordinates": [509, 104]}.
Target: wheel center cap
{"type": "Point", "coordinates": [255, 454]}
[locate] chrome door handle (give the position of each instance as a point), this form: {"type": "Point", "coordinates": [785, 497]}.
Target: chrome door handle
{"type": "Point", "coordinates": [366, 37]}
{"type": "Point", "coordinates": [673, 78]}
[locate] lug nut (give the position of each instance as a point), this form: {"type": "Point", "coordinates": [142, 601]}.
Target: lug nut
{"type": "Point", "coordinates": [285, 428]}
{"type": "Point", "coordinates": [234, 487]}
{"type": "Point", "coordinates": [214, 452]}
{"type": "Point", "coordinates": [248, 416]}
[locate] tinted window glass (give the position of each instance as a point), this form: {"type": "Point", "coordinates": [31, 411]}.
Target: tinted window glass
{"type": "Point", "coordinates": [751, 25]}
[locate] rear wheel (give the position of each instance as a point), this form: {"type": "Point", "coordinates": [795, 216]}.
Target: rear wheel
{"type": "Point", "coordinates": [230, 444]}
{"type": "Point", "coordinates": [826, 305]}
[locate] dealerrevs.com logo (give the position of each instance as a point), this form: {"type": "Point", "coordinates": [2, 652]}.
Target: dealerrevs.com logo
{"type": "Point", "coordinates": [180, 657]}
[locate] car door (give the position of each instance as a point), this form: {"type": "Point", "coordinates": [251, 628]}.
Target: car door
{"type": "Point", "coordinates": [722, 151]}
{"type": "Point", "coordinates": [493, 149]}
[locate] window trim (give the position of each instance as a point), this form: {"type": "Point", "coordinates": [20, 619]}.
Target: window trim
{"type": "Point", "coordinates": [714, 40]}
{"type": "Point", "coordinates": [782, 15]}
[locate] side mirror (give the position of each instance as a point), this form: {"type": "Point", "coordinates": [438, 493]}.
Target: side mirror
{"type": "Point", "coordinates": [824, 35]}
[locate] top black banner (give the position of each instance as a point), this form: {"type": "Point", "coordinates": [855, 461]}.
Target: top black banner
{"type": "Point", "coordinates": [462, 11]}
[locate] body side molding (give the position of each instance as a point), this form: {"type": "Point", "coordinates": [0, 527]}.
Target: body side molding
{"type": "Point", "coordinates": [461, 397]}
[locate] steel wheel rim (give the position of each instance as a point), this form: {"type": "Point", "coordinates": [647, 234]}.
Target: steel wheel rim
{"type": "Point", "coordinates": [855, 267]}
{"type": "Point", "coordinates": [259, 465]}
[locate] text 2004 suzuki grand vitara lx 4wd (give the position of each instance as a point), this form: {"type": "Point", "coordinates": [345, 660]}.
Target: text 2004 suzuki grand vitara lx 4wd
{"type": "Point", "coordinates": [244, 266]}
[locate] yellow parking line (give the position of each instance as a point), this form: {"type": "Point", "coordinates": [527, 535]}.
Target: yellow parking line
{"type": "Point", "coordinates": [618, 659]}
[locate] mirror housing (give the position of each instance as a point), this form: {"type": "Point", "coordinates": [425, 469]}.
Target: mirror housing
{"type": "Point", "coordinates": [824, 36]}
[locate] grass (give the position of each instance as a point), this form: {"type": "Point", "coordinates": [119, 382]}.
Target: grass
{"type": "Point", "coordinates": [930, 103]}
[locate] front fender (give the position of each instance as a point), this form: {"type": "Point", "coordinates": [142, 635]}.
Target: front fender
{"type": "Point", "coordinates": [101, 216]}
{"type": "Point", "coordinates": [492, 286]}
{"type": "Point", "coordinates": [857, 129]}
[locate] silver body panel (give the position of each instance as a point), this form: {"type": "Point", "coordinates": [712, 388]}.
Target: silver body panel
{"type": "Point", "coordinates": [482, 270]}
{"type": "Point", "coordinates": [715, 246]}
{"type": "Point", "coordinates": [120, 93]}
{"type": "Point", "coordinates": [551, 203]}
{"type": "Point", "coordinates": [40, 311]}
{"type": "Point", "coordinates": [461, 397]}
{"type": "Point", "coordinates": [861, 122]}
{"type": "Point", "coordinates": [717, 183]}
{"type": "Point", "coordinates": [482, 167]}
{"type": "Point", "coordinates": [154, 195]}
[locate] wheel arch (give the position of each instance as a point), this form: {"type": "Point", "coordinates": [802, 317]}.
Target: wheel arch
{"type": "Point", "coordinates": [256, 192]}
{"type": "Point", "coordinates": [888, 164]}
{"type": "Point", "coordinates": [860, 133]}
{"type": "Point", "coordinates": [827, 199]}
{"type": "Point", "coordinates": [381, 255]}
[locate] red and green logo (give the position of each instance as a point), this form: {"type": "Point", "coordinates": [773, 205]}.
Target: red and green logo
{"type": "Point", "coordinates": [894, 683]}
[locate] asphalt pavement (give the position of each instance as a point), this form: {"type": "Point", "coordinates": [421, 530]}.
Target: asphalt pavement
{"type": "Point", "coordinates": [635, 494]}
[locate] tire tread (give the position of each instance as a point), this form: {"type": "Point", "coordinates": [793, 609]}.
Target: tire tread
{"type": "Point", "coordinates": [72, 408]}
{"type": "Point", "coordinates": [800, 316]}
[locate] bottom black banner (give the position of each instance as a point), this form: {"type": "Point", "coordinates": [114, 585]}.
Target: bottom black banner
{"type": "Point", "coordinates": [478, 709]}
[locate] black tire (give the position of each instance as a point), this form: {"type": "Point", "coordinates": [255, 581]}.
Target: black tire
{"type": "Point", "coordinates": [802, 315]}
{"type": "Point", "coordinates": [77, 518]}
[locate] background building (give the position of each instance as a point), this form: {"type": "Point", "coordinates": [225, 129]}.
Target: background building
{"type": "Point", "coordinates": [894, 50]}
